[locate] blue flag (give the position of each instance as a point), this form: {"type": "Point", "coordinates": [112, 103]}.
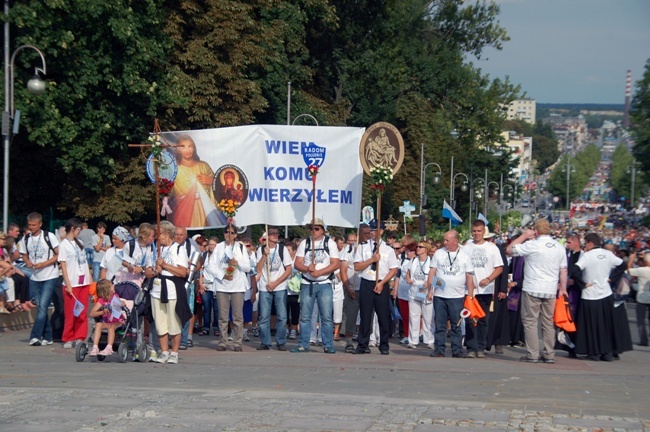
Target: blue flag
{"type": "Point", "coordinates": [483, 218]}
{"type": "Point", "coordinates": [449, 213]}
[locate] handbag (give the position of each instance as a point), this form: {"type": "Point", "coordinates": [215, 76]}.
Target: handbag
{"type": "Point", "coordinates": [562, 315]}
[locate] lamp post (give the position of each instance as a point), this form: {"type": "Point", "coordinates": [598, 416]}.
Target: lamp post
{"type": "Point", "coordinates": [35, 85]}
{"type": "Point", "coordinates": [476, 191]}
{"type": "Point", "coordinates": [451, 188]}
{"type": "Point", "coordinates": [423, 176]}
{"type": "Point", "coordinates": [631, 169]}
{"type": "Point", "coordinates": [568, 168]}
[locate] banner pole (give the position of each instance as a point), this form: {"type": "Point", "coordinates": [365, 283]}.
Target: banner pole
{"type": "Point", "coordinates": [378, 234]}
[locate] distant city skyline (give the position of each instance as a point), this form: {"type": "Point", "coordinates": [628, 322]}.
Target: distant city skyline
{"type": "Point", "coordinates": [571, 51]}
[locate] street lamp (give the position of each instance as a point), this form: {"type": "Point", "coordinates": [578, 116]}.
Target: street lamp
{"type": "Point", "coordinates": [569, 169]}
{"type": "Point", "coordinates": [35, 85]}
{"type": "Point", "coordinates": [436, 178]}
{"type": "Point", "coordinates": [451, 189]}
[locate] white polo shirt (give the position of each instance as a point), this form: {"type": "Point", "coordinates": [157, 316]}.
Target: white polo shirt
{"type": "Point", "coordinates": [277, 266]}
{"type": "Point", "coordinates": [387, 262]}
{"type": "Point", "coordinates": [596, 265]}
{"type": "Point", "coordinates": [544, 259]}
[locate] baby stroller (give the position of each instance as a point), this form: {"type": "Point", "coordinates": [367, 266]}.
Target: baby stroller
{"type": "Point", "coordinates": [129, 336]}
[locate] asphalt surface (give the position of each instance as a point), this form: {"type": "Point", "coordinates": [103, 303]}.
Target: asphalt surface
{"type": "Point", "coordinates": [45, 388]}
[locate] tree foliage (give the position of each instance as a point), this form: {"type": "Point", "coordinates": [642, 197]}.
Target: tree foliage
{"type": "Point", "coordinates": [640, 115]}
{"type": "Point", "coordinates": [582, 167]}
{"type": "Point", "coordinates": [620, 174]}
{"type": "Point", "coordinates": [114, 66]}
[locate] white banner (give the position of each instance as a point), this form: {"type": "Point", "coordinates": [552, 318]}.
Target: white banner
{"type": "Point", "coordinates": [264, 169]}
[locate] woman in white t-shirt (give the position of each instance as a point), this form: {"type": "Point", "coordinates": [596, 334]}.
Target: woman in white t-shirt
{"type": "Point", "coordinates": [76, 281]}
{"type": "Point", "coordinates": [168, 295]}
{"type": "Point", "coordinates": [420, 299]}
{"type": "Point", "coordinates": [401, 293]}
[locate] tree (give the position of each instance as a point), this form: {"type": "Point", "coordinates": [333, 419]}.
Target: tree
{"type": "Point", "coordinates": [545, 146]}
{"type": "Point", "coordinates": [583, 165]}
{"type": "Point", "coordinates": [620, 175]}
{"type": "Point", "coordinates": [640, 116]}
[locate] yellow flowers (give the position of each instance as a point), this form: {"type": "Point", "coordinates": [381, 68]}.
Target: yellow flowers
{"type": "Point", "coordinates": [228, 207]}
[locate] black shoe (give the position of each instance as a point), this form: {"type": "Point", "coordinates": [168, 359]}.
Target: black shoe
{"type": "Point", "coordinates": [263, 347]}
{"type": "Point", "coordinates": [607, 357]}
{"type": "Point", "coordinates": [591, 357]}
{"type": "Point", "coordinates": [436, 354]}
{"type": "Point", "coordinates": [384, 352]}
{"type": "Point", "coordinates": [282, 347]}
{"type": "Point", "coordinates": [548, 361]}
{"type": "Point", "coordinates": [349, 349]}
{"type": "Point", "coordinates": [360, 350]}
{"type": "Point", "coordinates": [527, 359]}
{"type": "Point", "coordinates": [572, 354]}
{"type": "Point", "coordinates": [459, 355]}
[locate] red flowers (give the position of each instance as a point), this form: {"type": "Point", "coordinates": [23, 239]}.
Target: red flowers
{"type": "Point", "coordinates": [165, 186]}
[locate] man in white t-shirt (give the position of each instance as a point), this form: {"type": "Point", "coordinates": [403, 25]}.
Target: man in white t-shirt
{"type": "Point", "coordinates": [377, 266]}
{"type": "Point", "coordinates": [487, 265]}
{"type": "Point", "coordinates": [40, 254]}
{"type": "Point", "coordinates": [317, 258]}
{"type": "Point", "coordinates": [545, 273]}
{"type": "Point", "coordinates": [453, 267]}
{"type": "Point", "coordinates": [274, 265]}
{"type": "Point", "coordinates": [642, 294]}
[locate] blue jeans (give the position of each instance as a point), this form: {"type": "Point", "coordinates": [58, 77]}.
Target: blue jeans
{"type": "Point", "coordinates": [26, 270]}
{"type": "Point", "coordinates": [90, 254]}
{"type": "Point", "coordinates": [266, 299]}
{"type": "Point", "coordinates": [323, 294]}
{"type": "Point", "coordinates": [448, 309]}
{"type": "Point", "coordinates": [210, 307]}
{"type": "Point", "coordinates": [42, 293]}
{"type": "Point", "coordinates": [96, 270]}
{"type": "Point", "coordinates": [185, 332]}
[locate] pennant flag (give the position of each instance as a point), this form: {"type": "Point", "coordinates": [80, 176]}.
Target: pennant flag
{"type": "Point", "coordinates": [483, 218]}
{"type": "Point", "coordinates": [77, 308]}
{"type": "Point", "coordinates": [449, 213]}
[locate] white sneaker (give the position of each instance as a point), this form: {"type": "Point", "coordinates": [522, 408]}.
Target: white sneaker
{"type": "Point", "coordinates": [35, 342]}
{"type": "Point", "coordinates": [292, 335]}
{"type": "Point", "coordinates": [230, 339]}
{"type": "Point", "coordinates": [68, 345]}
{"type": "Point", "coordinates": [246, 338]}
{"type": "Point", "coordinates": [404, 341]}
{"type": "Point", "coordinates": [163, 358]}
{"type": "Point", "coordinates": [153, 356]}
{"type": "Point", "coordinates": [372, 344]}
{"type": "Point", "coordinates": [46, 342]}
{"type": "Point", "coordinates": [173, 359]}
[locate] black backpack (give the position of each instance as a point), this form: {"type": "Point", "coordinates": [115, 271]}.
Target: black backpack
{"type": "Point", "coordinates": [46, 237]}
{"type": "Point", "coordinates": [280, 247]}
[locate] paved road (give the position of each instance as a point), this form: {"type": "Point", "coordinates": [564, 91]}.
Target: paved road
{"type": "Point", "coordinates": [44, 388]}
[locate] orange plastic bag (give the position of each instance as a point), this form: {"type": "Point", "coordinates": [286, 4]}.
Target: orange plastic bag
{"type": "Point", "coordinates": [474, 308]}
{"type": "Point", "coordinates": [92, 291]}
{"type": "Point", "coordinates": [562, 315]}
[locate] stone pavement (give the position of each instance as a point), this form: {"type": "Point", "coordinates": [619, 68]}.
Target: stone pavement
{"type": "Point", "coordinates": [44, 388]}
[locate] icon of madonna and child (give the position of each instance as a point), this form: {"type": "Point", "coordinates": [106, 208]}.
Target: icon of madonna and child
{"type": "Point", "coordinates": [197, 189]}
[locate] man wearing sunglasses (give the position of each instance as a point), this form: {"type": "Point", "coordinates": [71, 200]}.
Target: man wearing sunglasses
{"type": "Point", "coordinates": [378, 264]}
{"type": "Point", "coordinates": [317, 258]}
{"type": "Point", "coordinates": [274, 264]}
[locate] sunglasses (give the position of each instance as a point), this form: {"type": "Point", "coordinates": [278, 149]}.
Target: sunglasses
{"type": "Point", "coordinates": [398, 248]}
{"type": "Point", "coordinates": [316, 228]}
{"type": "Point", "coordinates": [420, 246]}
{"type": "Point", "coordinates": [249, 246]}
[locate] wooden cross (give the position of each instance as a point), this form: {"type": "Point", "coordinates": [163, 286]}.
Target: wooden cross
{"type": "Point", "coordinates": [163, 146]}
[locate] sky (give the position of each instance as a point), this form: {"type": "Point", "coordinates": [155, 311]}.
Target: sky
{"type": "Point", "coordinates": [571, 51]}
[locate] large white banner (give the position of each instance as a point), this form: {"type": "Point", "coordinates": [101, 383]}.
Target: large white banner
{"type": "Point", "coordinates": [264, 169]}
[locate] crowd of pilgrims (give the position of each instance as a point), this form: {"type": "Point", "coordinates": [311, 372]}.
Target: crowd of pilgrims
{"type": "Point", "coordinates": [361, 289]}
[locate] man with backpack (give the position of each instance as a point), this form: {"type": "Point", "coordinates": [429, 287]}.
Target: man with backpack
{"type": "Point", "coordinates": [317, 258]}
{"type": "Point", "coordinates": [190, 246]}
{"type": "Point", "coordinates": [274, 264]}
{"type": "Point", "coordinates": [40, 252]}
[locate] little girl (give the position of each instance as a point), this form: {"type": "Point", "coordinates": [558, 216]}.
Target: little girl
{"type": "Point", "coordinates": [105, 294]}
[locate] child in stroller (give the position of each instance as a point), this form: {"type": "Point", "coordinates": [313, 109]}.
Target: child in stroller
{"type": "Point", "coordinates": [107, 299]}
{"type": "Point", "coordinates": [127, 328]}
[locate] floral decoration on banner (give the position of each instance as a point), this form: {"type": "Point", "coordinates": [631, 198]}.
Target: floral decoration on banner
{"type": "Point", "coordinates": [156, 146]}
{"type": "Point", "coordinates": [380, 177]}
{"type": "Point", "coordinates": [313, 172]}
{"type": "Point", "coordinates": [229, 208]}
{"type": "Point", "coordinates": [165, 187]}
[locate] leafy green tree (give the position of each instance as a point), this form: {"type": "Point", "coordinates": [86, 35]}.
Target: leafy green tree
{"type": "Point", "coordinates": [106, 80]}
{"type": "Point", "coordinates": [640, 116]}
{"type": "Point", "coordinates": [583, 166]}
{"type": "Point", "coordinates": [620, 175]}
